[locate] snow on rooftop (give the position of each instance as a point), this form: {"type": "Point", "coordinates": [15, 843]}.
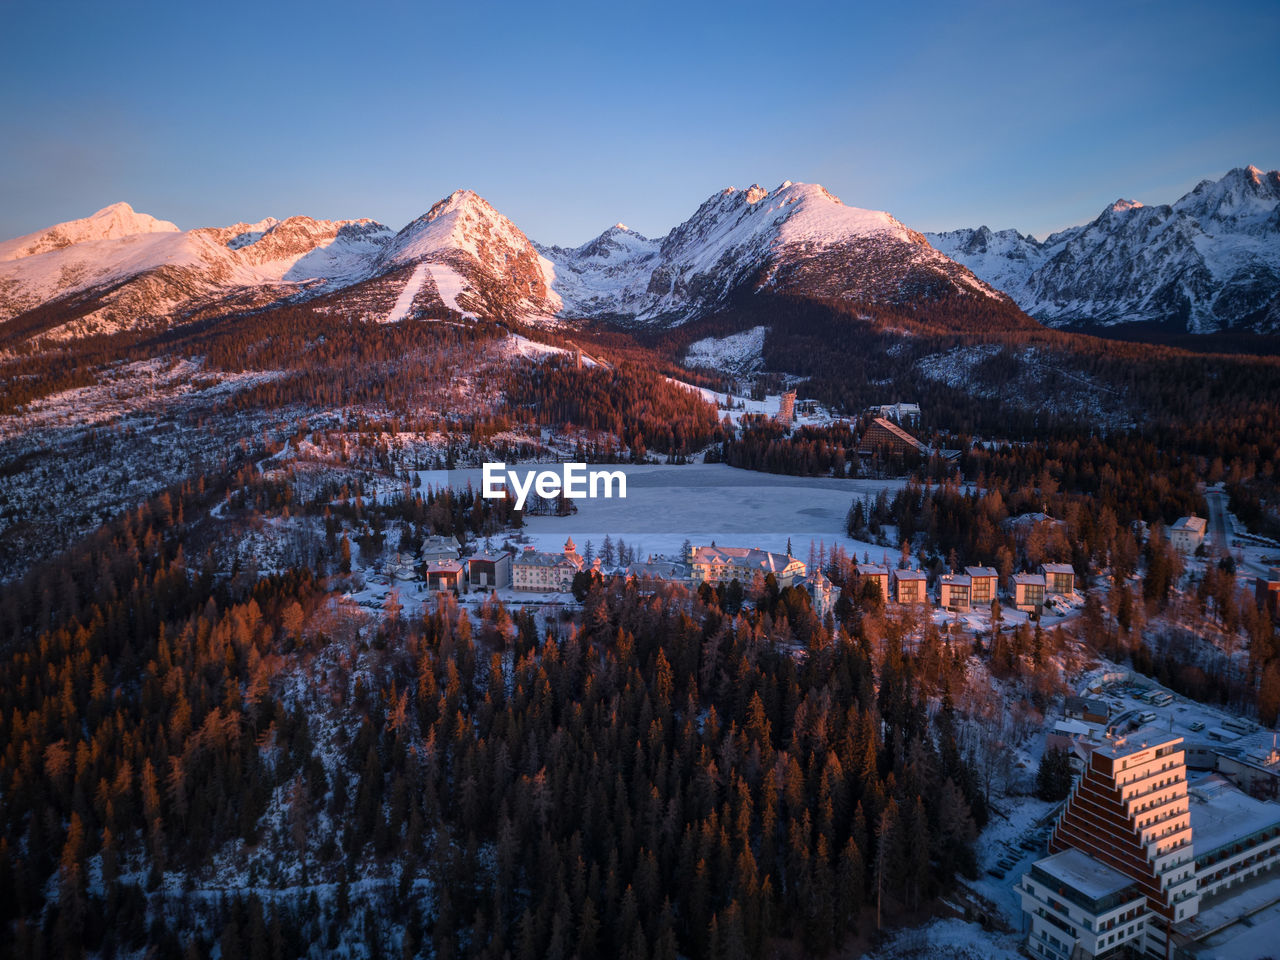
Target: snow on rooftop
{"type": "Point", "coordinates": [1228, 815]}
{"type": "Point", "coordinates": [1084, 874]}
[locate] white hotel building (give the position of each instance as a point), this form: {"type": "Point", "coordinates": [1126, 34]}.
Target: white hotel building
{"type": "Point", "coordinates": [1143, 864]}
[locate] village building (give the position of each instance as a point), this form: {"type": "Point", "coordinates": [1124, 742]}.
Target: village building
{"type": "Point", "coordinates": [439, 548]}
{"type": "Point", "coordinates": [982, 586]}
{"type": "Point", "coordinates": [1187, 849]}
{"type": "Point", "coordinates": [1187, 534]}
{"type": "Point", "coordinates": [400, 568]}
{"type": "Point", "coordinates": [491, 571]}
{"type": "Point", "coordinates": [447, 575]}
{"type": "Point", "coordinates": [909, 586]}
{"type": "Point", "coordinates": [906, 414]}
{"type": "Point", "coordinates": [954, 592]}
{"type": "Point", "coordinates": [875, 573]}
{"type": "Point", "coordinates": [1027, 590]}
{"type": "Point", "coordinates": [886, 437]}
{"type": "Point", "coordinates": [537, 572]}
{"type": "Point", "coordinates": [722, 564]}
{"type": "Point", "coordinates": [1088, 709]}
{"type": "Point", "coordinates": [1059, 578]}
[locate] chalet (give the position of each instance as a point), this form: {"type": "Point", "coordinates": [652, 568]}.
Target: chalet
{"type": "Point", "coordinates": [982, 585]}
{"type": "Point", "coordinates": [1059, 578]}
{"type": "Point", "coordinates": [909, 586]}
{"type": "Point", "coordinates": [447, 575]}
{"type": "Point", "coordinates": [955, 592]}
{"type": "Point", "coordinates": [1187, 534]}
{"type": "Point", "coordinates": [886, 437]}
{"type": "Point", "coordinates": [721, 564]}
{"type": "Point", "coordinates": [538, 572]}
{"type": "Point", "coordinates": [490, 570]}
{"type": "Point", "coordinates": [1087, 709]}
{"type": "Point", "coordinates": [1267, 592]}
{"type": "Point", "coordinates": [1027, 590]}
{"type": "Point", "coordinates": [875, 574]}
{"type": "Point", "coordinates": [439, 548]}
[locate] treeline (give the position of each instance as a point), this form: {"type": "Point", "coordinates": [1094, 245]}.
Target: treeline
{"type": "Point", "coordinates": [762, 443]}
{"type": "Point", "coordinates": [644, 409]}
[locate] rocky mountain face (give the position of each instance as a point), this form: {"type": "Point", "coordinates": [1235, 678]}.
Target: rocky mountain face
{"type": "Point", "coordinates": [1209, 262]}
{"type": "Point", "coordinates": [120, 269]}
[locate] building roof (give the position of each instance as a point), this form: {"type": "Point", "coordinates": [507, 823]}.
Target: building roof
{"type": "Point", "coordinates": [1227, 815]}
{"type": "Point", "coordinates": [536, 558]}
{"type": "Point", "coordinates": [1088, 704]}
{"type": "Point", "coordinates": [872, 570]}
{"type": "Point", "coordinates": [1193, 523]}
{"type": "Point", "coordinates": [446, 566]}
{"type": "Point", "coordinates": [1058, 568]}
{"type": "Point", "coordinates": [956, 579]}
{"type": "Point", "coordinates": [656, 570]}
{"type": "Point", "coordinates": [1030, 579]}
{"type": "Point", "coordinates": [910, 575]}
{"type": "Point", "coordinates": [763, 560]}
{"type": "Point", "coordinates": [1085, 875]}
{"type": "Point", "coordinates": [1144, 738]}
{"type": "Point", "coordinates": [489, 557]}
{"type": "Point", "coordinates": [980, 572]}
{"type": "Point", "coordinates": [434, 544]}
{"type": "Point", "coordinates": [898, 432]}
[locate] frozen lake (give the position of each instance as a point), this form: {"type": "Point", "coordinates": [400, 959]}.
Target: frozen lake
{"type": "Point", "coordinates": [702, 502]}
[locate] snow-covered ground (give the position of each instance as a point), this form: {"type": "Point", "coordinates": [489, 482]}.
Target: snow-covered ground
{"type": "Point", "coordinates": [665, 505]}
{"type": "Point", "coordinates": [738, 353]}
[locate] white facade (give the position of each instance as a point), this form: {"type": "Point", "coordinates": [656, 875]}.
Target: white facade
{"type": "Point", "coordinates": [1187, 534]}
{"type": "Point", "coordinates": [1075, 908]}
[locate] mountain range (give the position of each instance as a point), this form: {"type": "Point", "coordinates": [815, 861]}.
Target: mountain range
{"type": "Point", "coordinates": [1208, 262]}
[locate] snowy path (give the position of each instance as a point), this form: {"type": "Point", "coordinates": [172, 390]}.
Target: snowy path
{"type": "Point", "coordinates": [404, 302]}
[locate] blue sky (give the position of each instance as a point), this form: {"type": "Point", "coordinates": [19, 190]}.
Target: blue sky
{"type": "Point", "coordinates": [570, 117]}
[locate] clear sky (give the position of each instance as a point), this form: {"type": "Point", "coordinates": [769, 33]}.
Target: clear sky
{"type": "Point", "coordinates": [571, 117]}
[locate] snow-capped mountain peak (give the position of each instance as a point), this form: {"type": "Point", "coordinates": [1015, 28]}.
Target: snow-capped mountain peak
{"type": "Point", "coordinates": [109, 223]}
{"type": "Point", "coordinates": [484, 248]}
{"type": "Point", "coordinates": [1209, 261]}
{"type": "Point", "coordinates": [795, 238]}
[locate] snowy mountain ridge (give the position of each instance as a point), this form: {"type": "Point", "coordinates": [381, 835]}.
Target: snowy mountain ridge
{"type": "Point", "coordinates": [1208, 262]}
{"type": "Point", "coordinates": [120, 269]}
{"type": "Point", "coordinates": [795, 238]}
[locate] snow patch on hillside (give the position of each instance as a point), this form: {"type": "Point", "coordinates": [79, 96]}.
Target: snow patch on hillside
{"type": "Point", "coordinates": [738, 353]}
{"type": "Point", "coordinates": [404, 302]}
{"type": "Point", "coordinates": [450, 285]}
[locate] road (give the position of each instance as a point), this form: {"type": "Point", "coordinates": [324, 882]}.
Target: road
{"type": "Point", "coordinates": [1219, 533]}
